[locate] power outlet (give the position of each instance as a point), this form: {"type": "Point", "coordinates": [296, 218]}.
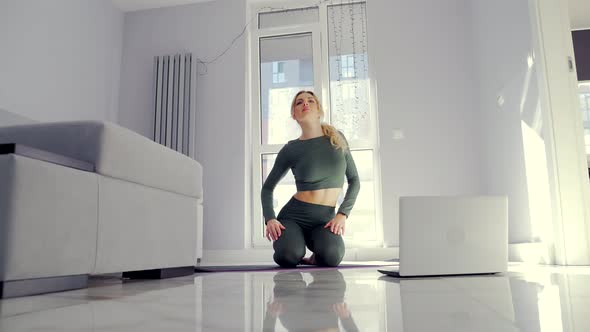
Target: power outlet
{"type": "Point", "coordinates": [397, 134]}
{"type": "Point", "coordinates": [500, 101]}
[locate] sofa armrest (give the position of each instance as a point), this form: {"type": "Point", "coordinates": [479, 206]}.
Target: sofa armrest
{"type": "Point", "coordinates": [54, 158]}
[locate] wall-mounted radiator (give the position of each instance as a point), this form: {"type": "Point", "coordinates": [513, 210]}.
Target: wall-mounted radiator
{"type": "Point", "coordinates": [174, 102]}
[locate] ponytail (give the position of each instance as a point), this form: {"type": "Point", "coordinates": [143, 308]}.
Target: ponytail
{"type": "Point", "coordinates": [336, 138]}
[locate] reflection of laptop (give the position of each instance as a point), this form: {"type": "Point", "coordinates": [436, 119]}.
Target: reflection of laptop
{"type": "Point", "coordinates": [452, 236]}
{"type": "Point", "coordinates": [474, 303]}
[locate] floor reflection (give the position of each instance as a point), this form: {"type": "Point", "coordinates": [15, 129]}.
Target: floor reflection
{"type": "Point", "coordinates": [528, 298]}
{"type": "Point", "coordinates": [317, 306]}
{"type": "Point", "coordinates": [454, 304]}
{"type": "Point", "coordinates": [108, 305]}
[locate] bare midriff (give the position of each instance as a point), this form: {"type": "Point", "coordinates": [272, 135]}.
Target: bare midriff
{"type": "Point", "coordinates": [328, 196]}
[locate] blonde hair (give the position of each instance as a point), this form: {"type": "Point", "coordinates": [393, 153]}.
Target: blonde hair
{"type": "Point", "coordinates": [336, 139]}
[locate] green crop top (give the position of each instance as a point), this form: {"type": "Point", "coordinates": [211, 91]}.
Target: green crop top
{"type": "Point", "coordinates": [316, 164]}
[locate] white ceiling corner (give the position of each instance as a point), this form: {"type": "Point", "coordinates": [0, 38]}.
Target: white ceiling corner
{"type": "Point", "coordinates": [579, 14]}
{"type": "Point", "coordinates": [134, 5]}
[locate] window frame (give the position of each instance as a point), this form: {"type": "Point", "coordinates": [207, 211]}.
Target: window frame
{"type": "Point", "coordinates": [319, 34]}
{"type": "Point", "coordinates": [585, 113]}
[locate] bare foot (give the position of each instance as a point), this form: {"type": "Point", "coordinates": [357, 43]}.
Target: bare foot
{"type": "Point", "coordinates": [308, 260]}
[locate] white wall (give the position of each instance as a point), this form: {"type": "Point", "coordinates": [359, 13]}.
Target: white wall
{"type": "Point", "coordinates": [425, 87]}
{"type": "Point", "coordinates": [60, 59]}
{"type": "Point", "coordinates": [436, 80]}
{"type": "Point", "coordinates": [204, 29]}
{"type": "Point", "coordinates": [513, 144]}
{"type": "Point", "coordinates": [421, 56]}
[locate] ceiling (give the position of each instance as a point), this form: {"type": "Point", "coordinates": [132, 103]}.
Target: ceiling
{"type": "Point", "coordinates": [579, 9]}
{"type": "Point", "coordinates": [579, 14]}
{"type": "Point", "coordinates": [133, 5]}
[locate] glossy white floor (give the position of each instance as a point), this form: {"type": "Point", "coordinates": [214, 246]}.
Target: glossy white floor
{"type": "Point", "coordinates": [528, 298]}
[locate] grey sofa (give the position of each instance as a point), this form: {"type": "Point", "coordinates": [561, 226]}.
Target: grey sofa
{"type": "Point", "coordinates": [136, 210]}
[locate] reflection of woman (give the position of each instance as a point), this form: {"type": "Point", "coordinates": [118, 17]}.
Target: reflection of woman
{"type": "Point", "coordinates": [314, 307]}
{"type": "Point", "coordinates": [319, 159]}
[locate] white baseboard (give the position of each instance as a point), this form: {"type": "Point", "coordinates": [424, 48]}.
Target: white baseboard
{"type": "Point", "coordinates": [530, 252]}
{"type": "Point", "coordinates": [534, 252]}
{"type": "Point", "coordinates": [252, 256]}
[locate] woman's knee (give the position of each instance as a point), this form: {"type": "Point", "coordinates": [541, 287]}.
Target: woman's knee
{"type": "Point", "coordinates": [288, 251]}
{"type": "Point", "coordinates": [290, 246]}
{"type": "Point", "coordinates": [330, 255]}
{"type": "Point", "coordinates": [327, 247]}
{"type": "Point", "coordinates": [288, 257]}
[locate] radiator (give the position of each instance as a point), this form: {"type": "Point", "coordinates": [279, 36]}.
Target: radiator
{"type": "Point", "coordinates": [174, 102]}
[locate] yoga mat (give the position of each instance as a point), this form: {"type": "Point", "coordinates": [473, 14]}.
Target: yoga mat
{"type": "Point", "coordinates": [273, 267]}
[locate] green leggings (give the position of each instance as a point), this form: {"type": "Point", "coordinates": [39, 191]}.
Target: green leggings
{"type": "Point", "coordinates": [304, 225]}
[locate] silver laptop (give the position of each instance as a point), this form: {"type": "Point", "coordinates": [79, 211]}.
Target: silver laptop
{"type": "Point", "coordinates": [441, 236]}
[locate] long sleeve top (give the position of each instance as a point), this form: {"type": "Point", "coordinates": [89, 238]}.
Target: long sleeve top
{"type": "Point", "coordinates": [316, 164]}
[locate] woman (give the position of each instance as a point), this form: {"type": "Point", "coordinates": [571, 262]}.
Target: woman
{"type": "Point", "coordinates": [319, 159]}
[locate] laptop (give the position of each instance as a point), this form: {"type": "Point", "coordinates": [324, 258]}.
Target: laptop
{"type": "Point", "coordinates": [450, 236]}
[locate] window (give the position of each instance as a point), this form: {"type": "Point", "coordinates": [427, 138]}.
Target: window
{"type": "Point", "coordinates": [275, 101]}
{"type": "Point", "coordinates": [322, 49]}
{"type": "Point", "coordinates": [278, 72]}
{"type": "Point", "coordinates": [347, 66]}
{"type": "Point", "coordinates": [584, 93]}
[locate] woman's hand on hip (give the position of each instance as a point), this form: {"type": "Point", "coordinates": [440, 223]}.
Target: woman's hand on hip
{"type": "Point", "coordinates": [337, 224]}
{"type": "Point", "coordinates": [273, 229]}
{"type": "Point", "coordinates": [341, 309]}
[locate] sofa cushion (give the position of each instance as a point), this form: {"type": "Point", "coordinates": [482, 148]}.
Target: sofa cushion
{"type": "Point", "coordinates": [115, 151]}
